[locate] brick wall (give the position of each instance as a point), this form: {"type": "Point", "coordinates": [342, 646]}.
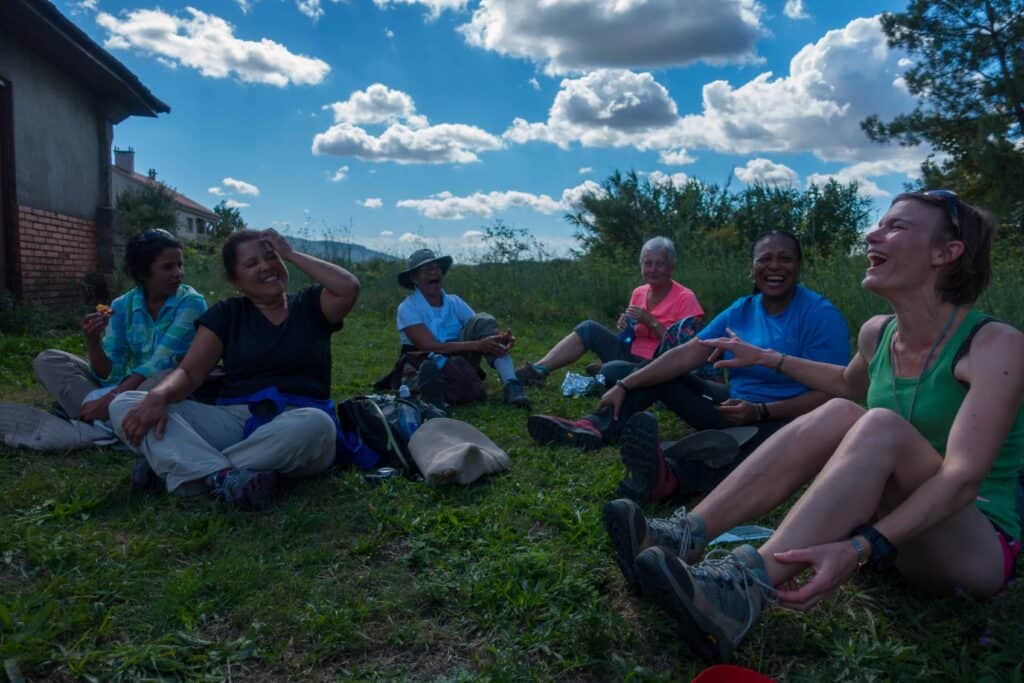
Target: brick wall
{"type": "Point", "coordinates": [55, 252]}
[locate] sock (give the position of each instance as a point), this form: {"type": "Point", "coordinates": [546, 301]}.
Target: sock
{"type": "Point", "coordinates": [541, 369]}
{"type": "Point", "coordinates": [667, 484]}
{"type": "Point", "coordinates": [505, 369]}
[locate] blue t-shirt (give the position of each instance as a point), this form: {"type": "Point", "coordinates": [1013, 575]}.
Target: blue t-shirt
{"type": "Point", "coordinates": [810, 327]}
{"type": "Point", "coordinates": [444, 322]}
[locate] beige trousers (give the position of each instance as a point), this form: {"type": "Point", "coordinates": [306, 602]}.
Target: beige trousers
{"type": "Point", "coordinates": [68, 379]}
{"type": "Point", "coordinates": [202, 439]}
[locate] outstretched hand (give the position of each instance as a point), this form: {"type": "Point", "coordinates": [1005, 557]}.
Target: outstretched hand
{"type": "Point", "coordinates": [832, 564]}
{"type": "Point", "coordinates": [743, 354]}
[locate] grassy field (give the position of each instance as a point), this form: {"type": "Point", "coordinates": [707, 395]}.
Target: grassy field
{"type": "Point", "coordinates": [508, 579]}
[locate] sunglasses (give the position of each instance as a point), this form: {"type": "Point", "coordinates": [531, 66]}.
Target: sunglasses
{"type": "Point", "coordinates": [952, 203]}
{"type": "Point", "coordinates": [155, 233]}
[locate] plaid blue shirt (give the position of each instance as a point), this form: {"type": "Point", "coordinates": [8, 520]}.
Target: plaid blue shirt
{"type": "Point", "coordinates": [136, 344]}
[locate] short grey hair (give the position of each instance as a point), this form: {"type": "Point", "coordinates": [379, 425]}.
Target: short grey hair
{"type": "Point", "coordinates": [659, 243]}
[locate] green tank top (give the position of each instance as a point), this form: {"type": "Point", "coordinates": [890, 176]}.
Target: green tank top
{"type": "Point", "coordinates": [938, 400]}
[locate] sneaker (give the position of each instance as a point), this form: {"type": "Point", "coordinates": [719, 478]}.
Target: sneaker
{"type": "Point", "coordinates": [713, 603]}
{"type": "Point", "coordinates": [530, 376]}
{"type": "Point", "coordinates": [143, 476]}
{"type": "Point", "coordinates": [515, 395]}
{"type": "Point", "coordinates": [642, 458]}
{"type": "Point", "coordinates": [700, 461]}
{"type": "Point", "coordinates": [245, 489]}
{"type": "Point", "coordinates": [631, 534]}
{"type": "Point", "coordinates": [548, 429]}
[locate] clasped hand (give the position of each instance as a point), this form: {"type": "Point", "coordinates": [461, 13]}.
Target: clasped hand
{"type": "Point", "coordinates": [149, 413]}
{"type": "Point", "coordinates": [497, 344]}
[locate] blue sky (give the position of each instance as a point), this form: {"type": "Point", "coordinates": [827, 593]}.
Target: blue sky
{"type": "Point", "coordinates": [392, 122]}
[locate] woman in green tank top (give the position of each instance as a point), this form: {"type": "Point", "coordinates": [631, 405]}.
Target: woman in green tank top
{"type": "Point", "coordinates": [922, 479]}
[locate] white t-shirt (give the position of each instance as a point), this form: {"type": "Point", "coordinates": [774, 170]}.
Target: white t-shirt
{"type": "Point", "coordinates": [444, 322]}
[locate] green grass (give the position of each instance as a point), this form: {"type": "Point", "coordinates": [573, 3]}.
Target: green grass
{"type": "Point", "coordinates": [508, 579]}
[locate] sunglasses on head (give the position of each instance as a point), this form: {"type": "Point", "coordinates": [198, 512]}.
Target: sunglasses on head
{"type": "Point", "coordinates": [952, 203]}
{"type": "Point", "coordinates": [155, 233]}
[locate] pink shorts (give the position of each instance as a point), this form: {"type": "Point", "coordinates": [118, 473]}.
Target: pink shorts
{"type": "Point", "coordinates": [1011, 548]}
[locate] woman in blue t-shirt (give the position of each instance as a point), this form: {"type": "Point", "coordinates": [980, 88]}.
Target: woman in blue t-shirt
{"type": "Point", "coordinates": [781, 314]}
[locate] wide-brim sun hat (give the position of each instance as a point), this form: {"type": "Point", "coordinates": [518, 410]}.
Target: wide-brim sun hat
{"type": "Point", "coordinates": [450, 451]}
{"type": "Point", "coordinates": [418, 259]}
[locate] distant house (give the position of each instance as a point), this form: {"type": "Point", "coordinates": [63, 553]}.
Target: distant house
{"type": "Point", "coordinates": [194, 219]}
{"type": "Point", "coordinates": [60, 96]}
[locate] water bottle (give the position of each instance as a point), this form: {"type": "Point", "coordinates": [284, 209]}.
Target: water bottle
{"type": "Point", "coordinates": [628, 331]}
{"type": "Point", "coordinates": [403, 391]}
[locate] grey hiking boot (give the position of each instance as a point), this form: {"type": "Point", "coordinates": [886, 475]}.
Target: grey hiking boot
{"type": "Point", "coordinates": [714, 603]}
{"type": "Point", "coordinates": [530, 376]}
{"type": "Point", "coordinates": [515, 395]}
{"type": "Point", "coordinates": [631, 534]}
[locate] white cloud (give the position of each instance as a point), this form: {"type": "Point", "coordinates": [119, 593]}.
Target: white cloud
{"type": "Point", "coordinates": [372, 203]}
{"type": "Point", "coordinates": [534, 83]}
{"type": "Point", "coordinates": [585, 169]}
{"type": "Point", "coordinates": [241, 187]}
{"type": "Point", "coordinates": [387, 233]}
{"type": "Point", "coordinates": [86, 6]}
{"type": "Point", "coordinates": [447, 206]}
{"type": "Point", "coordinates": [216, 191]}
{"type": "Point", "coordinates": [207, 43]}
{"type": "Point", "coordinates": [766, 172]}
{"type": "Point", "coordinates": [340, 174]}
{"type": "Point", "coordinates": [377, 104]}
{"type": "Point", "coordinates": [232, 204]}
{"type": "Point", "coordinates": [473, 235]}
{"type": "Point", "coordinates": [832, 85]}
{"type": "Point", "coordinates": [676, 180]}
{"type": "Point", "coordinates": [389, 33]}
{"type": "Point", "coordinates": [606, 108]}
{"type": "Point", "coordinates": [794, 9]}
{"type": "Point", "coordinates": [676, 157]}
{"type": "Point", "coordinates": [244, 5]}
{"type": "Point", "coordinates": [579, 35]}
{"type": "Point", "coordinates": [434, 7]}
{"type": "Point", "coordinates": [311, 8]}
{"type": "Point", "coordinates": [411, 238]}
{"type": "Point", "coordinates": [861, 173]}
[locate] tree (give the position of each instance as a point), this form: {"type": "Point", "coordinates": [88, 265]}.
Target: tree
{"type": "Point", "coordinates": [968, 72]}
{"type": "Point", "coordinates": [229, 220]}
{"type": "Point", "coordinates": [150, 206]}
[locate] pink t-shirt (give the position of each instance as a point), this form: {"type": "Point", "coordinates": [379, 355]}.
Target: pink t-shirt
{"type": "Point", "coordinates": [679, 303]}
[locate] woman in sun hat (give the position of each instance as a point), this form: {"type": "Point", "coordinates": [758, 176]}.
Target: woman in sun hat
{"type": "Point", "coordinates": [922, 479]}
{"type": "Point", "coordinates": [436, 327]}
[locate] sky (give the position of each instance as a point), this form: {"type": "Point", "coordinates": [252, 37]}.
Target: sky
{"type": "Point", "coordinates": [399, 123]}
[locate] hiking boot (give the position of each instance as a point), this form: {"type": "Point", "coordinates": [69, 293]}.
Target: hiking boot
{"type": "Point", "coordinates": [593, 369]}
{"type": "Point", "coordinates": [143, 477]}
{"type": "Point", "coordinates": [713, 603]}
{"type": "Point", "coordinates": [700, 461]}
{"type": "Point", "coordinates": [631, 533]}
{"type": "Point", "coordinates": [515, 395]}
{"type": "Point", "coordinates": [430, 381]}
{"type": "Point", "coordinates": [530, 376]}
{"type": "Point", "coordinates": [548, 429]}
{"type": "Point", "coordinates": [647, 476]}
{"type": "Point", "coordinates": [245, 489]}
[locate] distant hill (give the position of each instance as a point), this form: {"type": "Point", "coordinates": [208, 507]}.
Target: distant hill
{"type": "Point", "coordinates": [338, 251]}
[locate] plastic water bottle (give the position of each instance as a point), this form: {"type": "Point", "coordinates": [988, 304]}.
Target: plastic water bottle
{"type": "Point", "coordinates": [628, 332]}
{"type": "Point", "coordinates": [403, 391]}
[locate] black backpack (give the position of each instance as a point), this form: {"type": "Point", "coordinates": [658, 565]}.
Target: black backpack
{"type": "Point", "coordinates": [385, 423]}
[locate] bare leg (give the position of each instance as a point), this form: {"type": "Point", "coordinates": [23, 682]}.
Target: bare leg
{"type": "Point", "coordinates": [879, 463]}
{"type": "Point", "coordinates": [568, 350]}
{"type": "Point", "coordinates": [787, 460]}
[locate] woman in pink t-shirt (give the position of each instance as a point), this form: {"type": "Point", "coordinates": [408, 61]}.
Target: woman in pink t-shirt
{"type": "Point", "coordinates": [653, 307]}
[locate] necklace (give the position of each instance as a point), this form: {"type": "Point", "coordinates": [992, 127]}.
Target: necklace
{"type": "Point", "coordinates": [927, 362]}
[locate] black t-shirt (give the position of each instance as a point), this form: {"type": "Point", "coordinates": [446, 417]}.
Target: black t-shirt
{"type": "Point", "coordinates": [294, 356]}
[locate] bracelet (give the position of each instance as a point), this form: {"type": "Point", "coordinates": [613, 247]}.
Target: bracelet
{"type": "Point", "coordinates": [861, 551]}
{"type": "Point", "coordinates": [883, 552]}
{"type": "Point", "coordinates": [622, 385]}
{"type": "Point", "coordinates": [762, 411]}
{"type": "Point", "coordinates": [778, 366]}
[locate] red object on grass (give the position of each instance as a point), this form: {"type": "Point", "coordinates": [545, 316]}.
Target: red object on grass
{"type": "Point", "coordinates": [730, 673]}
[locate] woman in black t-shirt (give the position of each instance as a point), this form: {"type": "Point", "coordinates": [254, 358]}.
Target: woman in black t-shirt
{"type": "Point", "coordinates": [274, 414]}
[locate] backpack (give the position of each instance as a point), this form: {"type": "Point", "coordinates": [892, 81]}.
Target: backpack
{"type": "Point", "coordinates": [682, 331]}
{"type": "Point", "coordinates": [385, 424]}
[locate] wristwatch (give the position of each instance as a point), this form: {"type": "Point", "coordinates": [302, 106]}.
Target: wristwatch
{"type": "Point", "coordinates": [622, 385]}
{"type": "Point", "coordinates": [762, 411]}
{"type": "Point", "coordinates": [883, 553]}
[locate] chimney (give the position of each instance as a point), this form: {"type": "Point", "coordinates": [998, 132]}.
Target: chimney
{"type": "Point", "coordinates": [124, 159]}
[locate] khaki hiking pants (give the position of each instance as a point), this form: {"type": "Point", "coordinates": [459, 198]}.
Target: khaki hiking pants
{"type": "Point", "coordinates": [68, 379]}
{"type": "Point", "coordinates": [202, 439]}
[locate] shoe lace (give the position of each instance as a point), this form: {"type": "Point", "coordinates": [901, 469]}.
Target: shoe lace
{"type": "Point", "coordinates": [727, 572]}
{"type": "Point", "coordinates": [676, 529]}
